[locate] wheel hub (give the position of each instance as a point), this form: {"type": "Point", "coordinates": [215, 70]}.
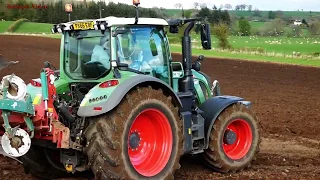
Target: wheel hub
{"type": "Point", "coordinates": [134, 140]}
{"type": "Point", "coordinates": [16, 142]}
{"type": "Point", "coordinates": [230, 137]}
{"type": "Point", "coordinates": [150, 142]}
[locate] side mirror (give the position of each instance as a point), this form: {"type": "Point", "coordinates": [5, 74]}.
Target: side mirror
{"type": "Point", "coordinates": [200, 58]}
{"type": "Point", "coordinates": [196, 66]}
{"type": "Point", "coordinates": [205, 36]}
{"type": "Point", "coordinates": [173, 29]}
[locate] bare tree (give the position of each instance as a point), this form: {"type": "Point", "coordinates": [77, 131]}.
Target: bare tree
{"type": "Point", "coordinates": [195, 5]}
{"type": "Point", "coordinates": [178, 5]}
{"type": "Point", "coordinates": [228, 6]}
{"type": "Point", "coordinates": [241, 7]}
{"type": "Point", "coordinates": [249, 7]}
{"type": "Point", "coordinates": [203, 5]}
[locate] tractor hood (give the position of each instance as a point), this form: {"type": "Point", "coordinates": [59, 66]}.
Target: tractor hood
{"type": "Point", "coordinates": [106, 95]}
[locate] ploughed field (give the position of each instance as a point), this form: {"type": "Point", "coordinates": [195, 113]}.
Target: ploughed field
{"type": "Point", "coordinates": [286, 99]}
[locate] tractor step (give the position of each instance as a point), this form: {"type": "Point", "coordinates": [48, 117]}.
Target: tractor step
{"type": "Point", "coordinates": [198, 151]}
{"type": "Point", "coordinates": [197, 130]}
{"type": "Point", "coordinates": [193, 125]}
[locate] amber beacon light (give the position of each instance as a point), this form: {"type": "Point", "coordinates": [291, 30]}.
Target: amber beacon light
{"type": "Point", "coordinates": [136, 2]}
{"type": "Point", "coordinates": [68, 8]}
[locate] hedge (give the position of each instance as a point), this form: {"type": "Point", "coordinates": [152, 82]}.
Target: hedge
{"type": "Point", "coordinates": [16, 25]}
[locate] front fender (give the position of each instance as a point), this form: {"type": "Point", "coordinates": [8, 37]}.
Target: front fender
{"type": "Point", "coordinates": [214, 106]}
{"type": "Point", "coordinates": [201, 78]}
{"type": "Point", "coordinates": [87, 109]}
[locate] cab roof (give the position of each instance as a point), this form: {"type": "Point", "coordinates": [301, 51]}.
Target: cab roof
{"type": "Point", "coordinates": [110, 21]}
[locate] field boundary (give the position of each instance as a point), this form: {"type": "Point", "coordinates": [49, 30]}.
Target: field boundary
{"type": "Point", "coordinates": [14, 26]}
{"type": "Point", "coordinates": [47, 35]}
{"type": "Point", "coordinates": [253, 61]}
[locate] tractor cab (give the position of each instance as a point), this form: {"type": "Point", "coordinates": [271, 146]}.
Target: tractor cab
{"type": "Point", "coordinates": [87, 53]}
{"type": "Point", "coordinates": [96, 50]}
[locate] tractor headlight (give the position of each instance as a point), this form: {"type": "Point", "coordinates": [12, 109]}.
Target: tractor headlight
{"type": "Point", "coordinates": [102, 27]}
{"type": "Point", "coordinates": [54, 29]}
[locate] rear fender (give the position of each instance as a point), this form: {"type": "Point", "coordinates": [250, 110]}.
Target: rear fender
{"type": "Point", "coordinates": [214, 106]}
{"type": "Point", "coordinates": [115, 95]}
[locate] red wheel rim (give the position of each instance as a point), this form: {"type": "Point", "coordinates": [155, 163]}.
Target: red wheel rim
{"type": "Point", "coordinates": [242, 140]}
{"type": "Point", "coordinates": [150, 154]}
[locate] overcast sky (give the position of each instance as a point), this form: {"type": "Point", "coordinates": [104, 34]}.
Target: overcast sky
{"type": "Point", "coordinates": [285, 5]}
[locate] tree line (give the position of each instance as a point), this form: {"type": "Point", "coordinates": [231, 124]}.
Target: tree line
{"type": "Point", "coordinates": [54, 12]}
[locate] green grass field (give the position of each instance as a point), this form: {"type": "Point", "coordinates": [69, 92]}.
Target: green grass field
{"type": "Point", "coordinates": [281, 45]}
{"type": "Point", "coordinates": [29, 27]}
{"type": "Point", "coordinates": [270, 44]}
{"type": "Point", "coordinates": [276, 44]}
{"type": "Point", "coordinates": [300, 14]}
{"type": "Point", "coordinates": [4, 25]}
{"type": "Point", "coordinates": [257, 25]}
{"type": "Point", "coordinates": [212, 53]}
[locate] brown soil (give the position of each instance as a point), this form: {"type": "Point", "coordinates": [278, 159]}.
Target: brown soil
{"type": "Point", "coordinates": [284, 97]}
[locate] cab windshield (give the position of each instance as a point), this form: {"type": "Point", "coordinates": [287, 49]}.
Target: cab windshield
{"type": "Point", "coordinates": [87, 54]}
{"type": "Point", "coordinates": [143, 48]}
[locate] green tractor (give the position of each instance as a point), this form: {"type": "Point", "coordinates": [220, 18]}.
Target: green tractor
{"type": "Point", "coordinates": [121, 108]}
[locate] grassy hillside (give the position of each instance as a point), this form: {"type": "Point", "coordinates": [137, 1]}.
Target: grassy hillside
{"type": "Point", "coordinates": [298, 14]}
{"type": "Point", "coordinates": [277, 49]}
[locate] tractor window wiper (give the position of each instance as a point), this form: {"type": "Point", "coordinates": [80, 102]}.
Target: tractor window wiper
{"type": "Point", "coordinates": [132, 70]}
{"type": "Point", "coordinates": [123, 69]}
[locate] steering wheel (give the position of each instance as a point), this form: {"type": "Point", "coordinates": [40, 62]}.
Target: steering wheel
{"type": "Point", "coordinates": [137, 62]}
{"type": "Point", "coordinates": [136, 65]}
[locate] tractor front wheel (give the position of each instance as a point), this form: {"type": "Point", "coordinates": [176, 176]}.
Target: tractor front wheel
{"type": "Point", "coordinates": [234, 140]}
{"type": "Point", "coordinates": [140, 139]}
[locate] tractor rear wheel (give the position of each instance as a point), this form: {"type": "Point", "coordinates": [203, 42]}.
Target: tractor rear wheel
{"type": "Point", "coordinates": [140, 139]}
{"type": "Point", "coordinates": [234, 140]}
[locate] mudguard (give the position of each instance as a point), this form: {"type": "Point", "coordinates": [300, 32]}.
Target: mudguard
{"type": "Point", "coordinates": [200, 78]}
{"type": "Point", "coordinates": [214, 106]}
{"type": "Point", "coordinates": [87, 109]}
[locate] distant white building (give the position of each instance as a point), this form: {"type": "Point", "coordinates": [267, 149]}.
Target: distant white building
{"type": "Point", "coordinates": [297, 22]}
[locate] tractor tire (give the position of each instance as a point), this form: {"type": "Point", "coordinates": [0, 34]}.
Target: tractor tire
{"type": "Point", "coordinates": [234, 140]}
{"type": "Point", "coordinates": [35, 163]}
{"type": "Point", "coordinates": [141, 138]}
